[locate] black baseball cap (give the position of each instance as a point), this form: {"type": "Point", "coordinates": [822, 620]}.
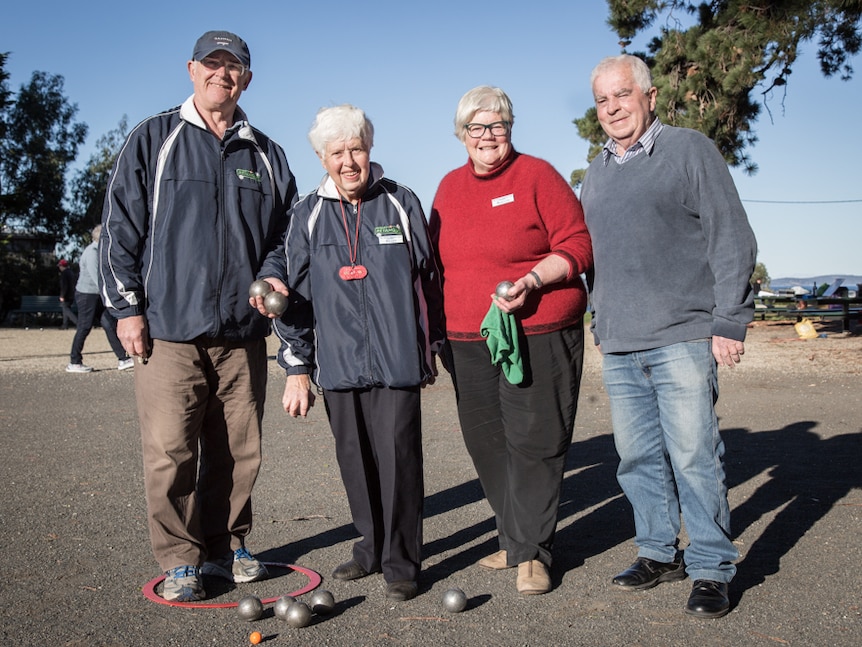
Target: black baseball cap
{"type": "Point", "coordinates": [215, 40]}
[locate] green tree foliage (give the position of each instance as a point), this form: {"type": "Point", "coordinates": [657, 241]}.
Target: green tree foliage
{"type": "Point", "coordinates": [5, 100]}
{"type": "Point", "coordinates": [760, 277]}
{"type": "Point", "coordinates": [39, 139]}
{"type": "Point", "coordinates": [716, 64]}
{"type": "Point", "coordinates": [40, 142]}
{"type": "Point", "coordinates": [90, 184]}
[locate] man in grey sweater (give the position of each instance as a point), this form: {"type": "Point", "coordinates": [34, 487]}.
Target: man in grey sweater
{"type": "Point", "coordinates": [673, 257]}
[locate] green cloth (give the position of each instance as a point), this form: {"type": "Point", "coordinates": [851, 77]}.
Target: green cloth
{"type": "Point", "coordinates": [501, 329]}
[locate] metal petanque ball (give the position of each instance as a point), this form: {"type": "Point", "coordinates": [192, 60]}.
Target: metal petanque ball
{"type": "Point", "coordinates": [454, 600]}
{"type": "Point", "coordinates": [298, 615]}
{"type": "Point", "coordinates": [249, 608]}
{"type": "Point", "coordinates": [275, 303]}
{"type": "Point", "coordinates": [502, 290]}
{"type": "Point", "coordinates": [259, 289]}
{"type": "Point", "coordinates": [322, 602]}
{"type": "Point", "coordinates": [282, 605]}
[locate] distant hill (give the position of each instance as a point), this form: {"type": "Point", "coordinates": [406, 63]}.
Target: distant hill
{"type": "Point", "coordinates": [850, 281]}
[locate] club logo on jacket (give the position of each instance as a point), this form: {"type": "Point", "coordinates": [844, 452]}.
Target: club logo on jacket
{"type": "Point", "coordinates": [242, 174]}
{"type": "Point", "coordinates": [389, 234]}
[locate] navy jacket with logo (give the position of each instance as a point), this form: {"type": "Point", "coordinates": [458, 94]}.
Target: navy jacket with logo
{"type": "Point", "coordinates": [189, 222]}
{"type": "Point", "coordinates": [378, 331]}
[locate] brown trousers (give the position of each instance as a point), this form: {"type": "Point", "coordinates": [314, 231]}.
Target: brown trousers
{"type": "Point", "coordinates": [200, 401]}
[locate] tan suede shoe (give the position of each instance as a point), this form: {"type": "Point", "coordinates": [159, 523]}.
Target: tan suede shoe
{"type": "Point", "coordinates": [496, 562]}
{"type": "Point", "coordinates": [533, 578]}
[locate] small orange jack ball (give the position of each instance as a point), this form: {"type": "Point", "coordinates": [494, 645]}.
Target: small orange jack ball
{"type": "Point", "coordinates": [255, 637]}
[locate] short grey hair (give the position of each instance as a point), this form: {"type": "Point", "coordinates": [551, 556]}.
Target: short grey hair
{"type": "Point", "coordinates": [340, 123]}
{"type": "Point", "coordinates": [96, 232]}
{"type": "Point", "coordinates": [484, 98]}
{"type": "Point", "coordinates": [640, 70]}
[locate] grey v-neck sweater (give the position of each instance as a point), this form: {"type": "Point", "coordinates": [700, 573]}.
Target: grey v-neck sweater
{"type": "Point", "coordinates": [672, 246]}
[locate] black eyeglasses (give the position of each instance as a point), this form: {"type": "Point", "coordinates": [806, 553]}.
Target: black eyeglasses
{"type": "Point", "coordinates": [498, 129]}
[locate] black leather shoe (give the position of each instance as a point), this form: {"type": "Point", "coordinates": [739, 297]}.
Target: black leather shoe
{"type": "Point", "coordinates": [646, 573]}
{"type": "Point", "coordinates": [402, 591]}
{"type": "Point", "coordinates": [351, 570]}
{"type": "Point", "coordinates": [708, 599]}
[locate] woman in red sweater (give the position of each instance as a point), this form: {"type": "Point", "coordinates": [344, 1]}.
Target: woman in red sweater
{"type": "Point", "coordinates": [509, 216]}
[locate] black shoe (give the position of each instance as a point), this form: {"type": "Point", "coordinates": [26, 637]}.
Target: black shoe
{"type": "Point", "coordinates": [351, 570]}
{"type": "Point", "coordinates": [708, 599]}
{"type": "Point", "coordinates": [402, 591]}
{"type": "Point", "coordinates": [646, 573]}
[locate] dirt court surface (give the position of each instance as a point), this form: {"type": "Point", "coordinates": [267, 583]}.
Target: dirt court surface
{"type": "Point", "coordinates": [76, 553]}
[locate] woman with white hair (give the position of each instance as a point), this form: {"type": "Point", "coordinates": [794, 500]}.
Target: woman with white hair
{"type": "Point", "coordinates": [363, 325]}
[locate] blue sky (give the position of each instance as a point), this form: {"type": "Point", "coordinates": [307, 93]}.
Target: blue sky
{"type": "Point", "coordinates": [407, 64]}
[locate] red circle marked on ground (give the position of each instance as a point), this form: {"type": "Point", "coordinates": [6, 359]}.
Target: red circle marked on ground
{"type": "Point", "coordinates": [314, 580]}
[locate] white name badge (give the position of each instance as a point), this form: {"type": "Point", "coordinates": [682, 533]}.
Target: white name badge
{"type": "Point", "coordinates": [390, 239]}
{"type": "Point", "coordinates": [389, 235]}
{"type": "Point", "coordinates": [503, 199]}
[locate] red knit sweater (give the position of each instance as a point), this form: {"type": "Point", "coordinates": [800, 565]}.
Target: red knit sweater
{"type": "Point", "coordinates": [495, 227]}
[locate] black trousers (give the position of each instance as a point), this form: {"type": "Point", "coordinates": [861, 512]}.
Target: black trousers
{"type": "Point", "coordinates": [90, 310]}
{"type": "Point", "coordinates": [68, 315]}
{"type": "Point", "coordinates": [378, 444]}
{"type": "Point", "coordinates": [518, 435]}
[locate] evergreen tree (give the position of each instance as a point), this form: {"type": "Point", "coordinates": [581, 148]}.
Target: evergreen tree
{"type": "Point", "coordinates": [90, 184]}
{"type": "Point", "coordinates": [760, 278]}
{"type": "Point", "coordinates": [715, 73]}
{"type": "Point", "coordinates": [40, 141]}
{"type": "Point", "coordinates": [5, 101]}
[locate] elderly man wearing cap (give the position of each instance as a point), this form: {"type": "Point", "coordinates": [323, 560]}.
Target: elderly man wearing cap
{"type": "Point", "coordinates": [196, 210]}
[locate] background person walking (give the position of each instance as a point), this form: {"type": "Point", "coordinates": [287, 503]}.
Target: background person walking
{"type": "Point", "coordinates": [91, 309]}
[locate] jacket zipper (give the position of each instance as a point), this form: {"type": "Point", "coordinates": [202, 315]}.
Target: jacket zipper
{"type": "Point", "coordinates": [363, 303]}
{"type": "Point", "coordinates": [220, 188]}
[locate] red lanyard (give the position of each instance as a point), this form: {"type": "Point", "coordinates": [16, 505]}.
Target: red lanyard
{"type": "Point", "coordinates": [354, 271]}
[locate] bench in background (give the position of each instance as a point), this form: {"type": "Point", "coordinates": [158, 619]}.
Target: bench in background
{"type": "Point", "coordinates": [33, 305]}
{"type": "Point", "coordinates": [814, 308]}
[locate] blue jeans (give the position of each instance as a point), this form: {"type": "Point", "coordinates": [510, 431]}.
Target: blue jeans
{"type": "Point", "coordinates": [671, 454]}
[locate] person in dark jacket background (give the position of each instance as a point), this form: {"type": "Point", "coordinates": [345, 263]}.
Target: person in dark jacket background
{"type": "Point", "coordinates": [67, 293]}
{"type": "Point", "coordinates": [196, 209]}
{"type": "Point", "coordinates": [365, 319]}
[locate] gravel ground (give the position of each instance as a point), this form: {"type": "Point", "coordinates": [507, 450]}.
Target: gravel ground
{"type": "Point", "coordinates": [76, 553]}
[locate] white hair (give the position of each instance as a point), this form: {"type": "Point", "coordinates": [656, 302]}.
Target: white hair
{"type": "Point", "coordinates": [640, 70]}
{"type": "Point", "coordinates": [340, 123]}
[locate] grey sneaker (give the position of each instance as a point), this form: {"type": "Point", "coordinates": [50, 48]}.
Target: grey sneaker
{"type": "Point", "coordinates": [124, 364]}
{"type": "Point", "coordinates": [238, 566]}
{"type": "Point", "coordinates": [183, 584]}
{"type": "Point", "coordinates": [78, 368]}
